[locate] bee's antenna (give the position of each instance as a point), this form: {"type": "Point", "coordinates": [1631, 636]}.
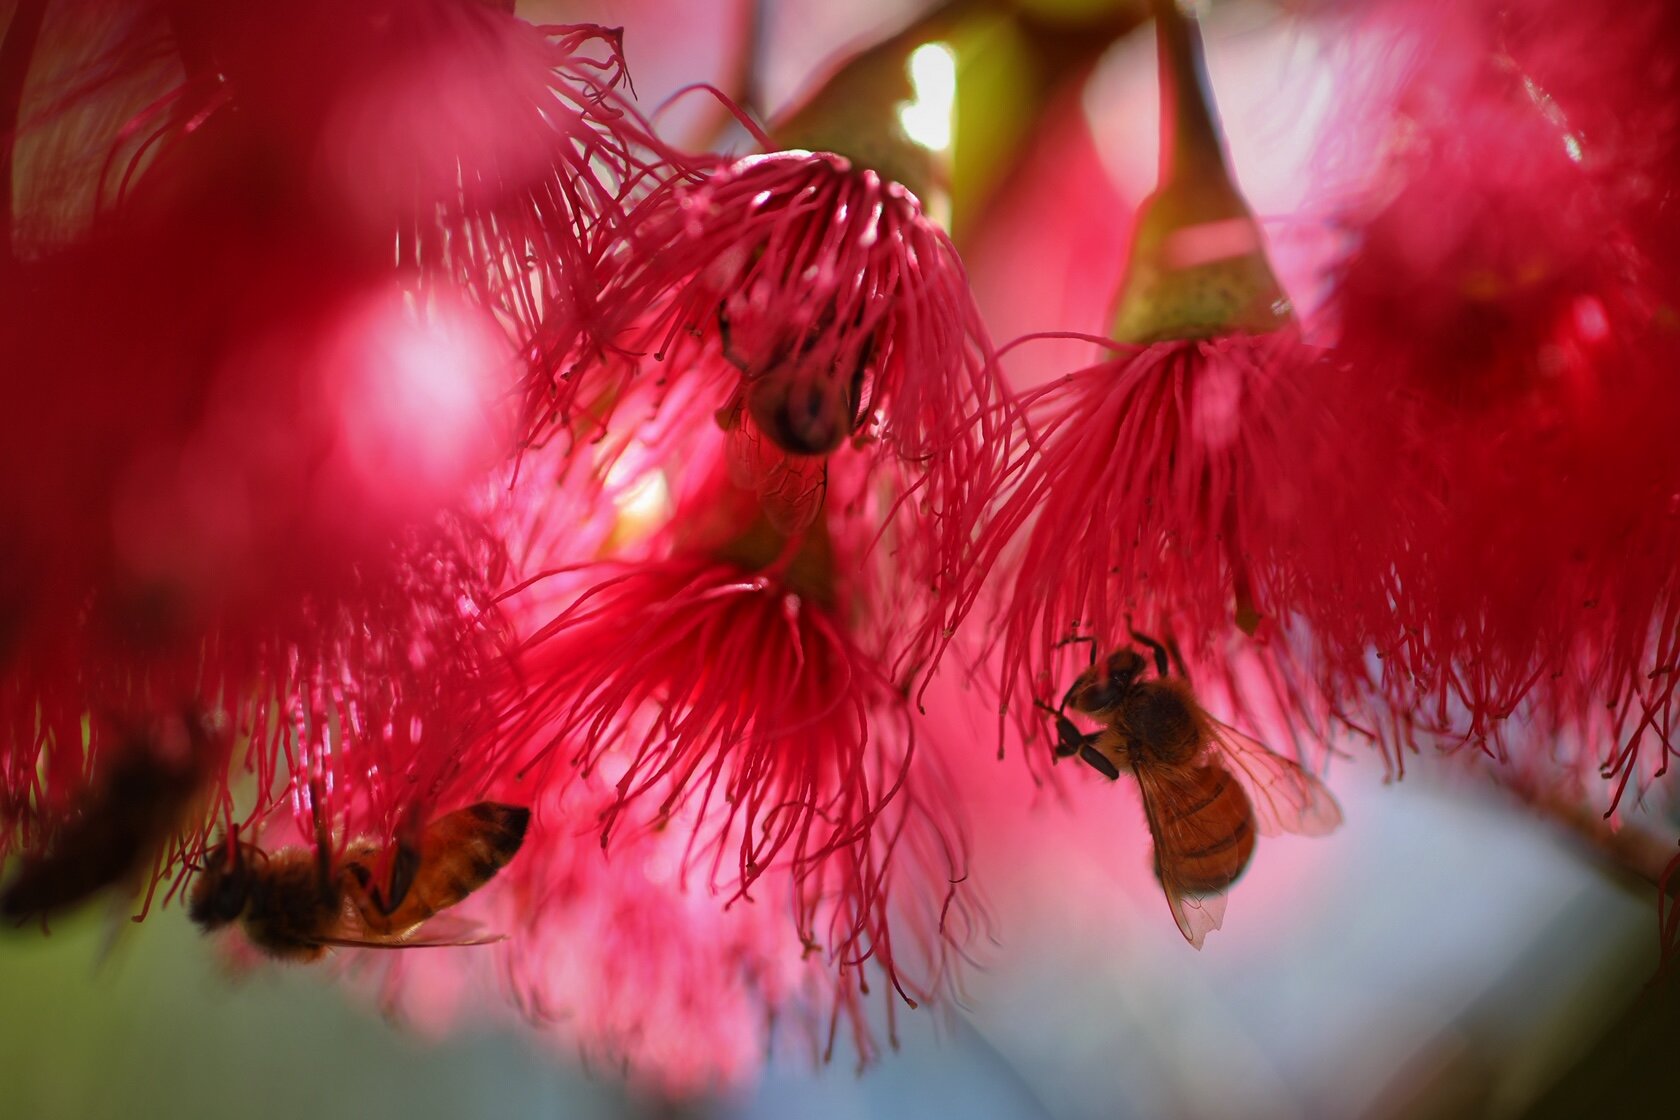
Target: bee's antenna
{"type": "Point", "coordinates": [1069, 739]}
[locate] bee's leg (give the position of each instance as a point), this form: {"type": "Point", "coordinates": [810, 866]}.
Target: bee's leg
{"type": "Point", "coordinates": [726, 342]}
{"type": "Point", "coordinates": [356, 880]}
{"type": "Point", "coordinates": [363, 875]}
{"type": "Point", "coordinates": [1177, 658]}
{"type": "Point", "coordinates": [1067, 697]}
{"type": "Point", "coordinates": [1159, 650]}
{"type": "Point", "coordinates": [860, 407]}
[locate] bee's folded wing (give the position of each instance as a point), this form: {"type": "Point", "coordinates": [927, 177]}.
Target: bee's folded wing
{"type": "Point", "coordinates": [1286, 798]}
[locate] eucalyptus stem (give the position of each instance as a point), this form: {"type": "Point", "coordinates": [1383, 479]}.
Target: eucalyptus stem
{"type": "Point", "coordinates": [1192, 144]}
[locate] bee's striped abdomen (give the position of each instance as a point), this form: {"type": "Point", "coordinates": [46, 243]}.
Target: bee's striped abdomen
{"type": "Point", "coordinates": [1208, 830]}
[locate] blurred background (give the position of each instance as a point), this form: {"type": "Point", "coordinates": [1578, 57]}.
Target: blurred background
{"type": "Point", "coordinates": [1445, 953]}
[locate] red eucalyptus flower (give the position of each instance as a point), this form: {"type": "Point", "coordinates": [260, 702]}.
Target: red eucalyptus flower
{"type": "Point", "coordinates": [617, 957]}
{"type": "Point", "coordinates": [1503, 343]}
{"type": "Point", "coordinates": [241, 490]}
{"type": "Point", "coordinates": [721, 683]}
{"type": "Point", "coordinates": [1144, 501]}
{"type": "Point", "coordinates": [1151, 485]}
{"type": "Point", "coordinates": [836, 318]}
{"type": "Point", "coordinates": [184, 509]}
{"type": "Point", "coordinates": [502, 156]}
{"type": "Point", "coordinates": [161, 457]}
{"type": "Point", "coordinates": [355, 706]}
{"type": "Point", "coordinates": [389, 421]}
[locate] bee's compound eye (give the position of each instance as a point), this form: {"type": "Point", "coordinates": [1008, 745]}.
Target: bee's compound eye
{"type": "Point", "coordinates": [1124, 667]}
{"type": "Point", "coordinates": [1096, 696]}
{"type": "Point", "coordinates": [219, 896]}
{"type": "Point", "coordinates": [802, 415]}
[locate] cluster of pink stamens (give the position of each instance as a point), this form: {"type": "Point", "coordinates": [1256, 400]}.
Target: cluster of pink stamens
{"type": "Point", "coordinates": [391, 420]}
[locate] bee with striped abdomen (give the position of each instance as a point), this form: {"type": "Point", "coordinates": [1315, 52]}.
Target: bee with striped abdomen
{"type": "Point", "coordinates": [1207, 788]}
{"type": "Point", "coordinates": [297, 902]}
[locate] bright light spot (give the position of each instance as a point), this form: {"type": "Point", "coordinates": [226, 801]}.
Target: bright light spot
{"type": "Point", "coordinates": [640, 492]}
{"type": "Point", "coordinates": [1549, 108]}
{"type": "Point", "coordinates": [643, 506]}
{"type": "Point", "coordinates": [1209, 242]}
{"type": "Point", "coordinates": [421, 395]}
{"type": "Point", "coordinates": [1591, 321]}
{"type": "Point", "coordinates": [933, 75]}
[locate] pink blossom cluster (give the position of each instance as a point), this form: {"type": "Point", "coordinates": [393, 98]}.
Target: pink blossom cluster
{"type": "Point", "coordinates": [391, 418]}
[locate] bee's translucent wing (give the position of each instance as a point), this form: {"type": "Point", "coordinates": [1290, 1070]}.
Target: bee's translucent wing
{"type": "Point", "coordinates": [435, 933]}
{"type": "Point", "coordinates": [789, 487]}
{"type": "Point", "coordinates": [1179, 836]}
{"type": "Point", "coordinates": [449, 929]}
{"type": "Point", "coordinates": [1196, 915]}
{"type": "Point", "coordinates": [1285, 797]}
{"type": "Point", "coordinates": [411, 943]}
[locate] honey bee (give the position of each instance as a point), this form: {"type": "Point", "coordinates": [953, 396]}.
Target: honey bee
{"type": "Point", "coordinates": [295, 903]}
{"type": "Point", "coordinates": [808, 402]}
{"type": "Point", "coordinates": [1207, 788]}
{"type": "Point", "coordinates": [127, 815]}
